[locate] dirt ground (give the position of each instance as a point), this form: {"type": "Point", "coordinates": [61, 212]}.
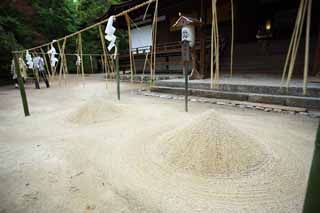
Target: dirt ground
{"type": "Point", "coordinates": [83, 151]}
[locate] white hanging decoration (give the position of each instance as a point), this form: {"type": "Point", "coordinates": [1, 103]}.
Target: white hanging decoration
{"type": "Point", "coordinates": [52, 53]}
{"type": "Point", "coordinates": [78, 62]}
{"type": "Point", "coordinates": [110, 30]}
{"type": "Point", "coordinates": [29, 60]}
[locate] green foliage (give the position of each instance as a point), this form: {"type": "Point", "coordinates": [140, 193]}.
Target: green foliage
{"type": "Point", "coordinates": [26, 23]}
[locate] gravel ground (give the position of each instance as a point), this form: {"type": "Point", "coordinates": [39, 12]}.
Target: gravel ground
{"type": "Point", "coordinates": [83, 151]}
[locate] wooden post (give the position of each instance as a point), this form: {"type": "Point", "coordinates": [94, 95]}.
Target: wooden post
{"type": "Point", "coordinates": [21, 86]}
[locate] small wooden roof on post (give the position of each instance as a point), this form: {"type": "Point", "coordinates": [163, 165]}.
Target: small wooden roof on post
{"type": "Point", "coordinates": [184, 20]}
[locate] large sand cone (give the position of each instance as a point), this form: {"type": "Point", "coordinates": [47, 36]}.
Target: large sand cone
{"type": "Point", "coordinates": [209, 146]}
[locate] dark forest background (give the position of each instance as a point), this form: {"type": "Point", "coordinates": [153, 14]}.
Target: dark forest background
{"type": "Point", "coordinates": [26, 23]}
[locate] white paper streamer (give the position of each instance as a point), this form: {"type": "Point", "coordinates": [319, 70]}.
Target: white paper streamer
{"type": "Point", "coordinates": [29, 60]}
{"type": "Point", "coordinates": [110, 30]}
{"type": "Point", "coordinates": [52, 53]}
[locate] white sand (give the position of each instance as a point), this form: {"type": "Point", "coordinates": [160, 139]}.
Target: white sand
{"type": "Point", "coordinates": [83, 151]}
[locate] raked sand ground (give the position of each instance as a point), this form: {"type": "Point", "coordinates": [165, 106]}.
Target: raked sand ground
{"type": "Point", "coordinates": [83, 151]}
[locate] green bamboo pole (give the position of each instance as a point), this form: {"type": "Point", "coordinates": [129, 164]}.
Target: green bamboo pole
{"type": "Point", "coordinates": [118, 75]}
{"type": "Point", "coordinates": [311, 203]}
{"type": "Point", "coordinates": [21, 87]}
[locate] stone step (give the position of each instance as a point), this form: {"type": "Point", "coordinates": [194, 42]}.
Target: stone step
{"type": "Point", "coordinates": [245, 88]}
{"type": "Point", "coordinates": [284, 100]}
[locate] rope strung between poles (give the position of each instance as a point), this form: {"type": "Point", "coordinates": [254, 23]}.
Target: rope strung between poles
{"type": "Point", "coordinates": [92, 26]}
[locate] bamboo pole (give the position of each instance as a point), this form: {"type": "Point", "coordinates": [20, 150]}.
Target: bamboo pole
{"type": "Point", "coordinates": [103, 43]}
{"type": "Point", "coordinates": [36, 74]}
{"type": "Point", "coordinates": [296, 44]}
{"type": "Point", "coordinates": [154, 43]}
{"type": "Point", "coordinates": [293, 39]}
{"type": "Point", "coordinates": [21, 87]}
{"type": "Point", "coordinates": [91, 62]}
{"type": "Point", "coordinates": [232, 38]}
{"type": "Point", "coordinates": [145, 65]}
{"type": "Point", "coordinates": [46, 62]}
{"type": "Point", "coordinates": [61, 61]}
{"type": "Point", "coordinates": [217, 73]}
{"type": "Point", "coordinates": [81, 56]}
{"type": "Point", "coordinates": [130, 44]}
{"type": "Point", "coordinates": [102, 63]}
{"type": "Point", "coordinates": [307, 49]}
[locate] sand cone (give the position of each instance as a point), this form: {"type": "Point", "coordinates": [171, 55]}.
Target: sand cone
{"type": "Point", "coordinates": [209, 146]}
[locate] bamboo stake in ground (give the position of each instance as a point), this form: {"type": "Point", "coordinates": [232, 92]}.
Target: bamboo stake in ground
{"type": "Point", "coordinates": [130, 45]}
{"type": "Point", "coordinates": [306, 60]}
{"type": "Point", "coordinates": [103, 44]}
{"type": "Point", "coordinates": [46, 63]}
{"type": "Point", "coordinates": [296, 42]}
{"type": "Point", "coordinates": [144, 66]}
{"type": "Point", "coordinates": [232, 38]}
{"type": "Point", "coordinates": [292, 42]}
{"type": "Point", "coordinates": [91, 62]}
{"type": "Point", "coordinates": [217, 73]}
{"type": "Point", "coordinates": [102, 64]}
{"type": "Point", "coordinates": [154, 43]}
{"type": "Point", "coordinates": [81, 56]}
{"type": "Point", "coordinates": [21, 86]}
{"type": "Point", "coordinates": [214, 46]}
